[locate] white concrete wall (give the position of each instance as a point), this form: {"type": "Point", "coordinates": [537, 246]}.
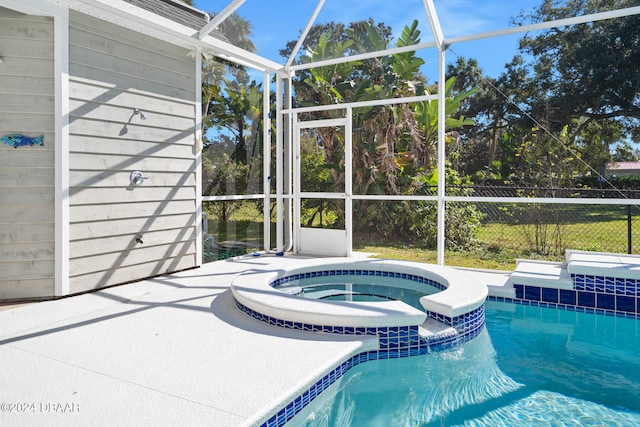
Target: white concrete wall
{"type": "Point", "coordinates": [112, 71]}
{"type": "Point", "coordinates": [26, 173]}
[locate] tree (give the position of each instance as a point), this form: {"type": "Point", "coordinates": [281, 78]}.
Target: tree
{"type": "Point", "coordinates": [587, 70]}
{"type": "Point", "coordinates": [231, 114]}
{"type": "Point", "coordinates": [584, 78]}
{"type": "Point", "coordinates": [486, 147]}
{"type": "Point", "coordinates": [338, 33]}
{"type": "Point", "coordinates": [578, 84]}
{"type": "Point", "coordinates": [393, 145]}
{"type": "Point", "coordinates": [384, 132]}
{"type": "Point", "coordinates": [238, 112]}
{"type": "Point", "coordinates": [219, 74]}
{"type": "Point", "coordinates": [232, 123]}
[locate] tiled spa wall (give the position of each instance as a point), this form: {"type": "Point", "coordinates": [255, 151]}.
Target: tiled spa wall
{"type": "Point", "coordinates": [403, 339]}
{"type": "Point", "coordinates": [395, 342]}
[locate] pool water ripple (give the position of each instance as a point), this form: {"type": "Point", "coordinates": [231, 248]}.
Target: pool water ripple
{"type": "Point", "coordinates": [532, 366]}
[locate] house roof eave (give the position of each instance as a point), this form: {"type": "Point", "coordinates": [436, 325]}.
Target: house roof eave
{"type": "Point", "coordinates": [127, 15]}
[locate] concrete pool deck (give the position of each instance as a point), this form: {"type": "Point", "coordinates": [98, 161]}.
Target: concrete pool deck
{"type": "Point", "coordinates": [171, 350]}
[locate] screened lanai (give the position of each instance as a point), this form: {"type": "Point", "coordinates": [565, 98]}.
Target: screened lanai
{"type": "Point", "coordinates": [171, 139]}
{"type": "Point", "coordinates": [390, 139]}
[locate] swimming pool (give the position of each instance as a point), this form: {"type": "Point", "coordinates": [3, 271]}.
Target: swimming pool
{"type": "Point", "coordinates": [531, 366]}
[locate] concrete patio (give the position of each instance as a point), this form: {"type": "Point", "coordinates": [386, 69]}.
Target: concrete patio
{"type": "Point", "coordinates": [171, 350]}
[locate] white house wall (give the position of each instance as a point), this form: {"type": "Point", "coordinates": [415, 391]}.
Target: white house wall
{"type": "Point", "coordinates": [26, 173]}
{"type": "Point", "coordinates": [112, 72]}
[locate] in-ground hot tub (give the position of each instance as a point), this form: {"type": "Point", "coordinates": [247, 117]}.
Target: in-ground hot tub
{"type": "Point", "coordinates": [452, 315]}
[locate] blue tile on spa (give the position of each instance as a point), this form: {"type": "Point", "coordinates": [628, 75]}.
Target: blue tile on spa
{"type": "Point", "coordinates": [586, 299]}
{"type": "Point", "coordinates": [626, 304]}
{"type": "Point", "coordinates": [519, 291]}
{"type": "Point", "coordinates": [532, 293]}
{"type": "Point", "coordinates": [550, 295]}
{"type": "Point", "coordinates": [606, 301]}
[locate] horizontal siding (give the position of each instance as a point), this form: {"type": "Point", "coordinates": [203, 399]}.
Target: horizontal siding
{"type": "Point", "coordinates": [87, 213]}
{"type": "Point", "coordinates": [128, 227]}
{"type": "Point", "coordinates": [24, 232]}
{"type": "Point", "coordinates": [120, 198]}
{"type": "Point", "coordinates": [35, 48]}
{"type": "Point", "coordinates": [28, 196]}
{"type": "Point", "coordinates": [121, 81]}
{"type": "Point", "coordinates": [28, 123]}
{"type": "Point", "coordinates": [129, 258]}
{"type": "Point", "coordinates": [25, 159]}
{"type": "Point", "coordinates": [108, 35]}
{"type": "Point", "coordinates": [100, 52]}
{"type": "Point", "coordinates": [126, 59]}
{"type": "Point", "coordinates": [37, 177]}
{"type": "Point", "coordinates": [111, 132]}
{"type": "Point", "coordinates": [114, 71]}
{"type": "Point", "coordinates": [101, 279]}
{"type": "Point", "coordinates": [146, 162]}
{"type": "Point", "coordinates": [90, 247]}
{"type": "Point", "coordinates": [24, 214]}
{"type": "Point", "coordinates": [26, 84]}
{"type": "Point", "coordinates": [19, 27]}
{"type": "Point", "coordinates": [23, 288]}
{"type": "Point", "coordinates": [29, 251]}
{"type": "Point", "coordinates": [89, 112]}
{"type": "Point", "coordinates": [119, 179]}
{"type": "Point", "coordinates": [110, 94]}
{"type": "Point", "coordinates": [26, 173]}
{"type": "Point", "coordinates": [34, 104]}
{"type": "Point", "coordinates": [26, 270]}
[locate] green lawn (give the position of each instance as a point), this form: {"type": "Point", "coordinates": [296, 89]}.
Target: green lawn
{"type": "Point", "coordinates": [502, 240]}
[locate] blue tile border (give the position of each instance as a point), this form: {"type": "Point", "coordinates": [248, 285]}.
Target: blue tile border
{"type": "Point", "coordinates": [407, 344]}
{"type": "Point", "coordinates": [609, 296]}
{"type": "Point", "coordinates": [394, 341]}
{"type": "Point", "coordinates": [591, 294]}
{"type": "Point", "coordinates": [356, 272]}
{"type": "Point", "coordinates": [607, 285]}
{"type": "Point", "coordinates": [566, 307]}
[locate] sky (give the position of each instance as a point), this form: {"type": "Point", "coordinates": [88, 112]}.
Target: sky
{"type": "Point", "coordinates": [275, 22]}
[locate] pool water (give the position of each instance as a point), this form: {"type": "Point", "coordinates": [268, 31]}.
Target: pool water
{"type": "Point", "coordinates": [357, 288]}
{"type": "Point", "coordinates": [531, 366]}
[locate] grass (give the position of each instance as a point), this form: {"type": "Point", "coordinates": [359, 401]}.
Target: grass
{"type": "Point", "coordinates": [599, 228]}
{"type": "Point", "coordinates": [598, 236]}
{"type": "Point", "coordinates": [470, 259]}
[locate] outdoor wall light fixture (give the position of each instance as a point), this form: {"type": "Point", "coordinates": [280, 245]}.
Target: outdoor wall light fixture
{"type": "Point", "coordinates": [1, 61]}
{"type": "Point", "coordinates": [137, 178]}
{"type": "Point", "coordinates": [137, 111]}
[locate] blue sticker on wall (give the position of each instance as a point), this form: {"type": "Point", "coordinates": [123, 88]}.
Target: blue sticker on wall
{"type": "Point", "coordinates": [21, 140]}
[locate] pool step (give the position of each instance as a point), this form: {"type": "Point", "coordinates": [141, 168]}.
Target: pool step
{"type": "Point", "coordinates": [557, 275]}
{"type": "Point", "coordinates": [542, 273]}
{"type": "Point", "coordinates": [621, 266]}
{"type": "Point", "coordinates": [528, 273]}
{"type": "Point", "coordinates": [432, 327]}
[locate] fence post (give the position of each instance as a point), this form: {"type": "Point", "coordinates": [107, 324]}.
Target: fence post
{"type": "Point", "coordinates": [629, 243]}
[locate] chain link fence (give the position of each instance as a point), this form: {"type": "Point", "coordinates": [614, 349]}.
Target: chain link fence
{"type": "Point", "coordinates": [233, 228]}
{"type": "Point", "coordinates": [547, 230]}
{"type": "Point", "coordinates": [541, 192]}
{"type": "Point", "coordinates": [502, 231]}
